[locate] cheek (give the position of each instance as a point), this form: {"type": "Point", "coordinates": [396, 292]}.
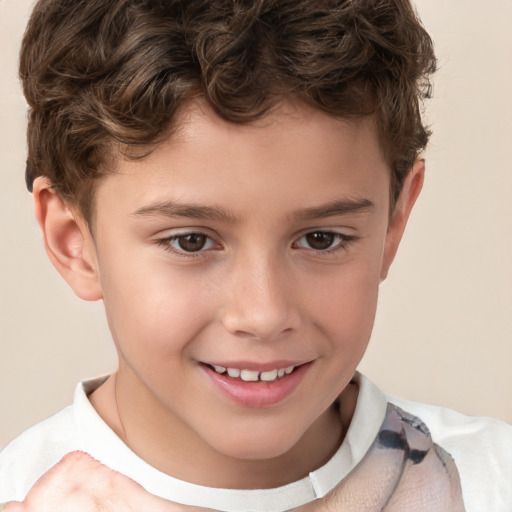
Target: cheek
{"type": "Point", "coordinates": [152, 305]}
{"type": "Point", "coordinates": [344, 307]}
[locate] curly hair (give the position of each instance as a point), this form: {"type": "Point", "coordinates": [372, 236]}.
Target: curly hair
{"type": "Point", "coordinates": [105, 74]}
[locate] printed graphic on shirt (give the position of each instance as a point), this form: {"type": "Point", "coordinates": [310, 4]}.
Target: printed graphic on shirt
{"type": "Point", "coordinates": [404, 471]}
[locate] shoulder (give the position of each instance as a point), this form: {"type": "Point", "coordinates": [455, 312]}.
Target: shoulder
{"type": "Point", "coordinates": [481, 448]}
{"type": "Point", "coordinates": [34, 452]}
{"type": "Point", "coordinates": [39, 448]}
{"type": "Point", "coordinates": [488, 440]}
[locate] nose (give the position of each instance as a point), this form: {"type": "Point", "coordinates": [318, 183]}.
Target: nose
{"type": "Point", "coordinates": [260, 302]}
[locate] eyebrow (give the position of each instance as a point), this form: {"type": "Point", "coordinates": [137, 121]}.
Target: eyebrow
{"type": "Point", "coordinates": [173, 209]}
{"type": "Point", "coordinates": [193, 211]}
{"type": "Point", "coordinates": [334, 208]}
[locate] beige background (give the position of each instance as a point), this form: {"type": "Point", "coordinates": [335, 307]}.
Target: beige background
{"type": "Point", "coordinates": [444, 327]}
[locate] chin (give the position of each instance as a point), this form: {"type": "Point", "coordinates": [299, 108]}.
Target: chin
{"type": "Point", "coordinates": [251, 445]}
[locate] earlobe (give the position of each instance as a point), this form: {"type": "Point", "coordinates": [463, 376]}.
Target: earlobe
{"type": "Point", "coordinates": [400, 214]}
{"type": "Point", "coordinates": [67, 240]}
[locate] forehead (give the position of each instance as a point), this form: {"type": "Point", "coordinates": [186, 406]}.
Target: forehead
{"type": "Point", "coordinates": [295, 151]}
{"type": "Point", "coordinates": [289, 124]}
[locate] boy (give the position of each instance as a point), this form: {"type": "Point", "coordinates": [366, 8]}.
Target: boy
{"type": "Point", "coordinates": [233, 180]}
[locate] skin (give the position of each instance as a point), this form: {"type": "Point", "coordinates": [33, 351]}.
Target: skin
{"type": "Point", "coordinates": [80, 483]}
{"type": "Point", "coordinates": [257, 292]}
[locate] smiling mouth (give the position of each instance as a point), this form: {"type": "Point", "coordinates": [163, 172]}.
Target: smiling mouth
{"type": "Point", "coordinates": [253, 375]}
{"type": "Point", "coordinates": [251, 385]}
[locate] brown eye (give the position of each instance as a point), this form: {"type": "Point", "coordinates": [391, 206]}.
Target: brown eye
{"type": "Point", "coordinates": [321, 240]}
{"type": "Point", "coordinates": [192, 242]}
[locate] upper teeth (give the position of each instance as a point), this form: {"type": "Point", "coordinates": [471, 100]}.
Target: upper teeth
{"type": "Point", "coordinates": [253, 375]}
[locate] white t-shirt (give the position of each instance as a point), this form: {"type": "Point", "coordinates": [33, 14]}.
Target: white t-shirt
{"type": "Point", "coordinates": [466, 460]}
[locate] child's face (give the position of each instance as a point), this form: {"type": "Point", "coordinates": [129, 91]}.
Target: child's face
{"type": "Point", "coordinates": [255, 248]}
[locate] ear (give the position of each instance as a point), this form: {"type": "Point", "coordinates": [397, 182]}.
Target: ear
{"type": "Point", "coordinates": [68, 241]}
{"type": "Point", "coordinates": [400, 214]}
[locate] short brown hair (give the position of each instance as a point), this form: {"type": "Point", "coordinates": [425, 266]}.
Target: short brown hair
{"type": "Point", "coordinates": [99, 74]}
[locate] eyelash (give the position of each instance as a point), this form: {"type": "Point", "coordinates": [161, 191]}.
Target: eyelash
{"type": "Point", "coordinates": [341, 243]}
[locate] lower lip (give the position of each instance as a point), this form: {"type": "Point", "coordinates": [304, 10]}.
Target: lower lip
{"type": "Point", "coordinates": [257, 394]}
